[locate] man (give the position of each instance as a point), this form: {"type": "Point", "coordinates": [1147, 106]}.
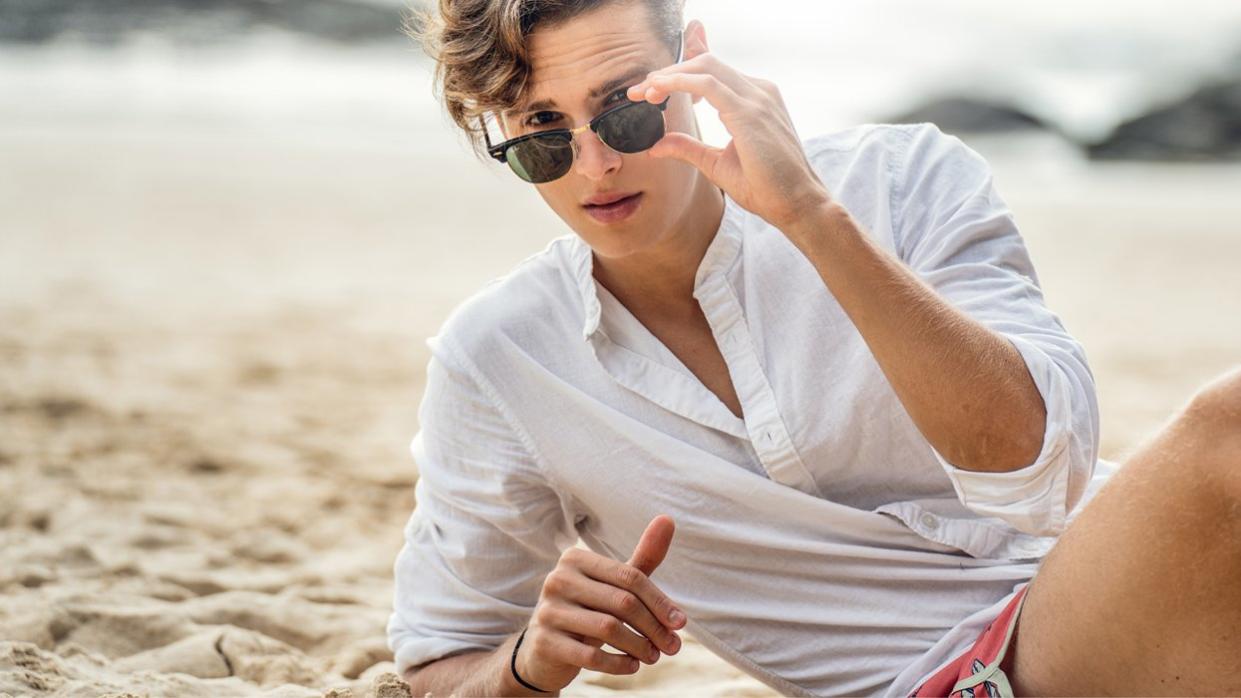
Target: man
{"type": "Point", "coordinates": [827, 361]}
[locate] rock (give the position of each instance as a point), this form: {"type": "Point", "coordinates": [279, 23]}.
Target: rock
{"type": "Point", "coordinates": [1206, 125]}
{"type": "Point", "coordinates": [195, 22]}
{"type": "Point", "coordinates": [970, 115]}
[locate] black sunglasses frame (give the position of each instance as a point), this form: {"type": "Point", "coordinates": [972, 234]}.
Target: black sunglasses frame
{"type": "Point", "coordinates": [499, 151]}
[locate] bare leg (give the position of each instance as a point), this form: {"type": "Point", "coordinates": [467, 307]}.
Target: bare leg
{"type": "Point", "coordinates": [1142, 593]}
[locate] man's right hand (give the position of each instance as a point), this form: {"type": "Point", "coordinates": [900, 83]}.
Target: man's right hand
{"type": "Point", "coordinates": [585, 602]}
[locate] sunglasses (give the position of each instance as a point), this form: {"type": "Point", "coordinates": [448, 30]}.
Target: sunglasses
{"type": "Point", "coordinates": [548, 155]}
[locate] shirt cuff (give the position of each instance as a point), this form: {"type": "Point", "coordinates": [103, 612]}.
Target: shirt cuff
{"type": "Point", "coordinates": [1033, 498]}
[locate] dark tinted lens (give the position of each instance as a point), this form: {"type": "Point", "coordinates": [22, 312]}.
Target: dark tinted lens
{"type": "Point", "coordinates": [632, 128]}
{"type": "Point", "coordinates": [542, 158]}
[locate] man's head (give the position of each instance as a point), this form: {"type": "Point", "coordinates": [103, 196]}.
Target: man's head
{"type": "Point", "coordinates": [534, 64]}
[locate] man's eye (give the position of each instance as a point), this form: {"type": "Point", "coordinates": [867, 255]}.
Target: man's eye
{"type": "Point", "coordinates": [552, 116]}
{"type": "Point", "coordinates": [623, 92]}
{"type": "Point", "coordinates": [536, 121]}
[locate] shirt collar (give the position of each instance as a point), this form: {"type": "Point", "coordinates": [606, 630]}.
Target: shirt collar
{"type": "Point", "coordinates": [720, 255]}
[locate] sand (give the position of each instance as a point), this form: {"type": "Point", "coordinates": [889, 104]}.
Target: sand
{"type": "Point", "coordinates": [211, 358]}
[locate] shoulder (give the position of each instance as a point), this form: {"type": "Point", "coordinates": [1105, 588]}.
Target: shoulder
{"type": "Point", "coordinates": [873, 163]}
{"type": "Point", "coordinates": [536, 295]}
{"type": "Point", "coordinates": [867, 167]}
{"type": "Point", "coordinates": [877, 137]}
{"type": "Point", "coordinates": [862, 135]}
{"type": "Point", "coordinates": [897, 177]}
{"type": "Point", "coordinates": [896, 142]}
{"type": "Point", "coordinates": [889, 143]}
{"type": "Point", "coordinates": [915, 160]}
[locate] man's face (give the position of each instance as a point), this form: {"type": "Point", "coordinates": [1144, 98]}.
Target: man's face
{"type": "Point", "coordinates": [569, 61]}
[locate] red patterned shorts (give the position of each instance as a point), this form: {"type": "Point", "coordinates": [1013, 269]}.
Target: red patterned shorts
{"type": "Point", "coordinates": [977, 672]}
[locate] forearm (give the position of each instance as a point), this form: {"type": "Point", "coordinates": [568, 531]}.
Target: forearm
{"type": "Point", "coordinates": [470, 674]}
{"type": "Point", "coordinates": [966, 387]}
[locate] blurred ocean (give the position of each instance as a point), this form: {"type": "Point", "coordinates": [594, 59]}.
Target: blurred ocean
{"type": "Point", "coordinates": [1083, 66]}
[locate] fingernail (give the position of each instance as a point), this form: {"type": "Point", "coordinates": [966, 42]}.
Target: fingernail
{"type": "Point", "coordinates": [676, 617]}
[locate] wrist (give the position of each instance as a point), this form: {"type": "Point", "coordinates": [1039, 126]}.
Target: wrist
{"type": "Point", "coordinates": [513, 673]}
{"type": "Point", "coordinates": [514, 670]}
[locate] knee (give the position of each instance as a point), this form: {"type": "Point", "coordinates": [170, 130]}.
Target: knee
{"type": "Point", "coordinates": [1212, 430]}
{"type": "Point", "coordinates": [1216, 407]}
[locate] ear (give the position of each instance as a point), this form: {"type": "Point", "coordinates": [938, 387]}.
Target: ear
{"type": "Point", "coordinates": [695, 44]}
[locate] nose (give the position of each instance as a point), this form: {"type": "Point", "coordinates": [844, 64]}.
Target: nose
{"type": "Point", "coordinates": [592, 158]}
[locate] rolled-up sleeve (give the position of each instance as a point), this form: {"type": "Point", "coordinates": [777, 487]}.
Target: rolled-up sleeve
{"type": "Point", "coordinates": [486, 529]}
{"type": "Point", "coordinates": [953, 229]}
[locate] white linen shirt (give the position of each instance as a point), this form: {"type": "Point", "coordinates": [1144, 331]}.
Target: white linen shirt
{"type": "Point", "coordinates": [822, 545]}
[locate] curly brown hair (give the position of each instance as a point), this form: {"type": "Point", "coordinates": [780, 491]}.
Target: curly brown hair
{"type": "Point", "coordinates": [479, 47]}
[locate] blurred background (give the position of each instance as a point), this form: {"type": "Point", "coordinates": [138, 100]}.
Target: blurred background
{"type": "Point", "coordinates": [227, 227]}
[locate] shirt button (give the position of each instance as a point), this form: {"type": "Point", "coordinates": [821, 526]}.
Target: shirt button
{"type": "Point", "coordinates": [1027, 549]}
{"type": "Point", "coordinates": [769, 436]}
{"type": "Point", "coordinates": [930, 521]}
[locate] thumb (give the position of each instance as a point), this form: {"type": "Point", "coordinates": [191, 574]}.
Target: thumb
{"type": "Point", "coordinates": [683, 146]}
{"type": "Point", "coordinates": [653, 545]}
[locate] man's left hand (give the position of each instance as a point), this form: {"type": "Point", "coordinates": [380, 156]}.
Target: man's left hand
{"type": "Point", "coordinates": [763, 168]}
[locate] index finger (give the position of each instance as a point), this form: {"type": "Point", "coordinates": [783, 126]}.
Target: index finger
{"type": "Point", "coordinates": [705, 63]}
{"type": "Point", "coordinates": [719, 95]}
{"type": "Point", "coordinates": [630, 578]}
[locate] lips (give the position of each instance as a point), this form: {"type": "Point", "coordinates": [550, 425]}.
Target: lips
{"type": "Point", "coordinates": [608, 198]}
{"type": "Point", "coordinates": [619, 210]}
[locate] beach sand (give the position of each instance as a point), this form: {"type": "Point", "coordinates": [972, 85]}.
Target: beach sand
{"type": "Point", "coordinates": [211, 359]}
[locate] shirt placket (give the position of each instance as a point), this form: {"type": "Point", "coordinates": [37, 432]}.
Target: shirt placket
{"type": "Point", "coordinates": [768, 433]}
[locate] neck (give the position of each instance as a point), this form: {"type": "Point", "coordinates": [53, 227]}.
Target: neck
{"type": "Point", "coordinates": [661, 279]}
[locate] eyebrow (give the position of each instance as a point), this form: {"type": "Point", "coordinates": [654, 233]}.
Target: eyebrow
{"type": "Point", "coordinates": [595, 93]}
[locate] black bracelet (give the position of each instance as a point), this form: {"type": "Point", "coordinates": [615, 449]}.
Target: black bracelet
{"type": "Point", "coordinates": [513, 663]}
